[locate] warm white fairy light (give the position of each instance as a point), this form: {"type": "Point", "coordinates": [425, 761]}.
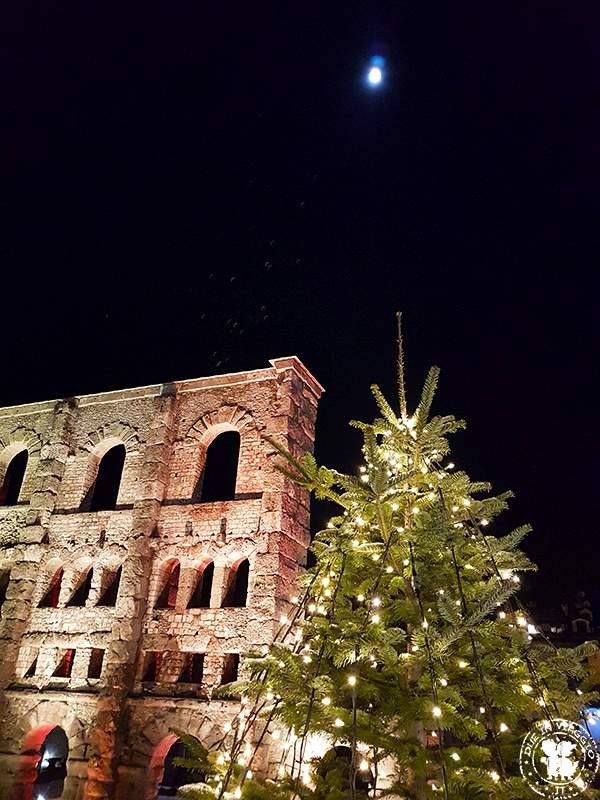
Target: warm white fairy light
{"type": "Point", "coordinates": [406, 562]}
{"type": "Point", "coordinates": [360, 598]}
{"type": "Point", "coordinates": [339, 723]}
{"type": "Point", "coordinates": [484, 521]}
{"type": "Point", "coordinates": [527, 689]}
{"type": "Point", "coordinates": [326, 701]}
{"type": "Point", "coordinates": [503, 727]}
{"type": "Point", "coordinates": [436, 712]}
{"type": "Point", "coordinates": [389, 570]}
{"type": "Point", "coordinates": [521, 621]}
{"type": "Point", "coordinates": [307, 659]}
{"type": "Point", "coordinates": [463, 664]}
{"type": "Point", "coordinates": [364, 765]}
{"type": "Point", "coordinates": [502, 615]}
{"type": "Point", "coordinates": [312, 607]}
{"type": "Point", "coordinates": [376, 601]}
{"type": "Point", "coordinates": [482, 709]}
{"type": "Point", "coordinates": [352, 680]}
{"type": "Point", "coordinates": [283, 620]}
{"type": "Point", "coordinates": [531, 629]}
{"type": "Point", "coordinates": [443, 682]}
{"type": "Point", "coordinates": [454, 756]}
{"type": "Point", "coordinates": [494, 776]}
{"type": "Point", "coordinates": [375, 618]}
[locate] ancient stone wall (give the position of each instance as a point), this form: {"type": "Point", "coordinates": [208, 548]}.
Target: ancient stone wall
{"type": "Point", "coordinates": [117, 671]}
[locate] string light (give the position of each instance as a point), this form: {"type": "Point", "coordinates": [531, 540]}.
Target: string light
{"type": "Point", "coordinates": [364, 765]}
{"type": "Point", "coordinates": [443, 682]}
{"type": "Point", "coordinates": [503, 727]}
{"type": "Point", "coordinates": [526, 688]}
{"type": "Point", "coordinates": [375, 618]}
{"type": "Point", "coordinates": [436, 712]}
{"type": "Point", "coordinates": [494, 776]}
{"type": "Point", "coordinates": [326, 701]}
{"type": "Point", "coordinates": [352, 680]}
{"type": "Point", "coordinates": [454, 756]}
{"type": "Point", "coordinates": [339, 723]}
{"type": "Point", "coordinates": [463, 664]}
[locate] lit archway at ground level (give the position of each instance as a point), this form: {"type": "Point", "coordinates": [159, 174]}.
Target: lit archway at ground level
{"type": "Point", "coordinates": [43, 766]}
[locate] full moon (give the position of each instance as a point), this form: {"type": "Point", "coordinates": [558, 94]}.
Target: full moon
{"type": "Point", "coordinates": [375, 76]}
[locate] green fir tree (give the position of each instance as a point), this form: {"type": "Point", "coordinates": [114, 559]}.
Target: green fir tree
{"type": "Point", "coordinates": [408, 647]}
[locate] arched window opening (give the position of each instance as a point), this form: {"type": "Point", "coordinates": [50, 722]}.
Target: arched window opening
{"type": "Point", "coordinates": [50, 599]}
{"type": "Point", "coordinates": [44, 763]}
{"type": "Point", "coordinates": [202, 591]}
{"type": "Point", "coordinates": [112, 581]}
{"type": "Point", "coordinates": [104, 492]}
{"type": "Point", "coordinates": [82, 592]}
{"type": "Point", "coordinates": [218, 478]}
{"type": "Point", "coordinates": [4, 581]}
{"type": "Point", "coordinates": [168, 596]}
{"type": "Point", "coordinates": [335, 771]}
{"type": "Point", "coordinates": [236, 595]}
{"type": "Point", "coordinates": [13, 479]}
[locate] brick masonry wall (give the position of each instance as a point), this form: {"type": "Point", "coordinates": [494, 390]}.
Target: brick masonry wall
{"type": "Point", "coordinates": [115, 724]}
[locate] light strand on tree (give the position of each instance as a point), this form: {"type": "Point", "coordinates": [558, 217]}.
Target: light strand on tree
{"type": "Point", "coordinates": [488, 705]}
{"type": "Point", "coordinates": [432, 674]}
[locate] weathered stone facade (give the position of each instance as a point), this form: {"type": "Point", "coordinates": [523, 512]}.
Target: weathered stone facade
{"type": "Point", "coordinates": [118, 725]}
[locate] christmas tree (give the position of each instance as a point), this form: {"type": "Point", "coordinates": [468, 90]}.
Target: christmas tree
{"type": "Point", "coordinates": [407, 666]}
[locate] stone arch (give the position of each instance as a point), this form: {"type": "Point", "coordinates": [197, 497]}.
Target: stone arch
{"type": "Point", "coordinates": [22, 438]}
{"type": "Point", "coordinates": [160, 765]}
{"type": "Point", "coordinates": [226, 418]}
{"type": "Point", "coordinates": [50, 587]}
{"type": "Point", "coordinates": [168, 584]}
{"type": "Point", "coordinates": [18, 441]}
{"type": "Point", "coordinates": [106, 436]}
{"type": "Point", "coordinates": [237, 584]}
{"type": "Point", "coordinates": [33, 756]}
{"type": "Point", "coordinates": [99, 453]}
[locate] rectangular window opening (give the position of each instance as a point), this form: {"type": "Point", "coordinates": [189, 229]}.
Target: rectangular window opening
{"type": "Point", "coordinates": [152, 664]}
{"type": "Point", "coordinates": [95, 664]}
{"type": "Point", "coordinates": [193, 668]}
{"type": "Point", "coordinates": [231, 663]}
{"type": "Point", "coordinates": [65, 665]}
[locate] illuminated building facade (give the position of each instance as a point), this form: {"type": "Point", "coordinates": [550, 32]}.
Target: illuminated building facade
{"type": "Point", "coordinates": [147, 543]}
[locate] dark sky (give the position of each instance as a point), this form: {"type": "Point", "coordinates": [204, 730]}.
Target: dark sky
{"type": "Point", "coordinates": [192, 188]}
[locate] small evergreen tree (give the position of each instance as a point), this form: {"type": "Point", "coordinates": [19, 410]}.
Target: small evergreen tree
{"type": "Point", "coordinates": [408, 643]}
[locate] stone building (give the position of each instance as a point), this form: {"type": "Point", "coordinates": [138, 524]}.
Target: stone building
{"type": "Point", "coordinates": [136, 570]}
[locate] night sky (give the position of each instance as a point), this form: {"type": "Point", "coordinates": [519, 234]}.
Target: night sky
{"type": "Point", "coordinates": [192, 188]}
